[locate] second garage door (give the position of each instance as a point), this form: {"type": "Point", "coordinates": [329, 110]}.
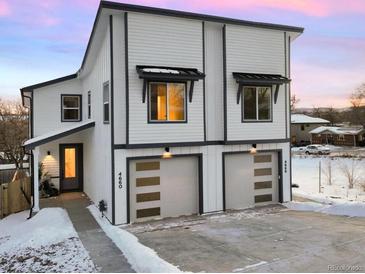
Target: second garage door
{"type": "Point", "coordinates": [251, 180]}
{"type": "Point", "coordinates": [162, 188]}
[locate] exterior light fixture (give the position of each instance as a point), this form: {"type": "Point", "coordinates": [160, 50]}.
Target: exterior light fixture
{"type": "Point", "coordinates": [167, 154]}
{"type": "Point", "coordinates": [253, 149]}
{"type": "Point", "coordinates": [48, 152]}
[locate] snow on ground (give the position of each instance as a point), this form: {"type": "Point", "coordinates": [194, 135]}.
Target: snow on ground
{"type": "Point", "coordinates": [141, 258]}
{"type": "Point", "coordinates": [346, 208]}
{"type": "Point", "coordinates": [306, 174]}
{"type": "Point", "coordinates": [47, 242]}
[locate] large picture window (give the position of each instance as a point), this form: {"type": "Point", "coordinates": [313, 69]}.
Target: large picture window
{"type": "Point", "coordinates": [256, 104]}
{"type": "Point", "coordinates": [167, 102]}
{"type": "Point", "coordinates": [71, 108]}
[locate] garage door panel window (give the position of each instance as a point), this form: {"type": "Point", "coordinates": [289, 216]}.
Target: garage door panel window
{"type": "Point", "coordinates": [257, 104]}
{"type": "Point", "coordinates": [167, 102]}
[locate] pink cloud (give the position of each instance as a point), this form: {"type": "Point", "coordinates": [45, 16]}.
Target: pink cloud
{"type": "Point", "coordinates": [4, 8]}
{"type": "Point", "coordinates": [325, 86]}
{"type": "Point", "coordinates": [315, 8]}
{"type": "Point", "coordinates": [31, 13]}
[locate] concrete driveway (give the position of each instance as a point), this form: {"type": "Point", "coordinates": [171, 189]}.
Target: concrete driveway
{"type": "Point", "coordinates": [270, 239]}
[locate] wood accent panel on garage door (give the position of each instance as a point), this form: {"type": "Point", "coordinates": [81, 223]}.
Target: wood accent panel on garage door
{"type": "Point", "coordinates": [266, 178]}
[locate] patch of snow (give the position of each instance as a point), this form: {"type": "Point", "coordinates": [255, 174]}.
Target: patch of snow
{"type": "Point", "coordinates": [47, 242]}
{"type": "Point", "coordinates": [141, 258]}
{"type": "Point", "coordinates": [338, 130]}
{"type": "Point", "coordinates": [306, 174]}
{"type": "Point", "coordinates": [249, 266]}
{"type": "Point", "coordinates": [305, 119]}
{"type": "Point", "coordinates": [345, 208]}
{"type": "Point", "coordinates": [161, 70]}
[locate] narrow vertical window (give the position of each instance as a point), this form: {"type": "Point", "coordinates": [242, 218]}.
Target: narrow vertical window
{"type": "Point", "coordinates": [89, 105]}
{"type": "Point", "coordinates": [106, 102]}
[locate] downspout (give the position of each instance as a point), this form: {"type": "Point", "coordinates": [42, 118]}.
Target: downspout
{"type": "Point", "coordinates": [30, 124]}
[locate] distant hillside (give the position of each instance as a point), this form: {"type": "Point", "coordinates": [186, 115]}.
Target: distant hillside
{"type": "Point", "coordinates": [322, 109]}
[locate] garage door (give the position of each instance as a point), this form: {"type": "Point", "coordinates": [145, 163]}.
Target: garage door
{"type": "Point", "coordinates": [162, 188]}
{"type": "Point", "coordinates": [251, 180]}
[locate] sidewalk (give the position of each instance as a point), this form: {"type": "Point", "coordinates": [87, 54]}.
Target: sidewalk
{"type": "Point", "coordinates": [105, 255]}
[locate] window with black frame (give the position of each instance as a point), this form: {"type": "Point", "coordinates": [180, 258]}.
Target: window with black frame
{"type": "Point", "coordinates": [167, 102]}
{"type": "Point", "coordinates": [89, 105]}
{"type": "Point", "coordinates": [71, 108]}
{"type": "Point", "coordinates": [106, 103]}
{"type": "Point", "coordinates": [257, 104]}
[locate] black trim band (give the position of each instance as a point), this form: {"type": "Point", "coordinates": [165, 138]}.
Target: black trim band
{"type": "Point", "coordinates": [206, 143]}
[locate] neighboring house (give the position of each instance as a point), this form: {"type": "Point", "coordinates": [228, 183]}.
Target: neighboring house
{"type": "Point", "coordinates": [301, 125]}
{"type": "Point", "coordinates": [161, 117]}
{"type": "Point", "coordinates": [339, 136]}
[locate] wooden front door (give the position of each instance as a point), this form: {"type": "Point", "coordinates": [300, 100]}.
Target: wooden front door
{"type": "Point", "coordinates": [71, 167]}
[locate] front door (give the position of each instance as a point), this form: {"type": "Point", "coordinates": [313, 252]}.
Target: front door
{"type": "Point", "coordinates": [71, 167]}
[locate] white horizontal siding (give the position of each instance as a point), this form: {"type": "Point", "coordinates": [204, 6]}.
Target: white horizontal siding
{"type": "Point", "coordinates": [47, 106]}
{"type": "Point", "coordinates": [254, 50]}
{"type": "Point", "coordinates": [163, 41]}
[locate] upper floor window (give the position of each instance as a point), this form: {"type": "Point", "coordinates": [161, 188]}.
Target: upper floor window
{"type": "Point", "coordinates": [167, 102]}
{"type": "Point", "coordinates": [106, 102]}
{"type": "Point", "coordinates": [89, 105]}
{"type": "Point", "coordinates": [71, 108]}
{"type": "Point", "coordinates": [257, 104]}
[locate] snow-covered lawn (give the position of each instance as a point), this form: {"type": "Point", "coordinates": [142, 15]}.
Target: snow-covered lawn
{"type": "Point", "coordinates": [47, 242]}
{"type": "Point", "coordinates": [329, 206]}
{"type": "Point", "coordinates": [306, 174]}
{"type": "Point", "coordinates": [141, 257]}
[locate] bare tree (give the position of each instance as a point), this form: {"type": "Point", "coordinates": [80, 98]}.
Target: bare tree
{"type": "Point", "coordinates": [357, 100]}
{"type": "Point", "coordinates": [351, 172]}
{"type": "Point", "coordinates": [294, 100]}
{"type": "Point", "coordinates": [327, 171]}
{"type": "Point", "coordinates": [13, 132]}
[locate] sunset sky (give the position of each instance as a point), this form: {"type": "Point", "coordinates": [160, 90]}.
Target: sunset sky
{"type": "Point", "coordinates": [46, 39]}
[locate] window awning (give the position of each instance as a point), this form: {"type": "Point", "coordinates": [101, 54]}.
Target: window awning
{"type": "Point", "coordinates": [57, 134]}
{"type": "Point", "coordinates": [168, 74]}
{"type": "Point", "coordinates": [256, 79]}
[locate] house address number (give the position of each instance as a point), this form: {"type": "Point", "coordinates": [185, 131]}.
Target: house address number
{"type": "Point", "coordinates": [120, 184]}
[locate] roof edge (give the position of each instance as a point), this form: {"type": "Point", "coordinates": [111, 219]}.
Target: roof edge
{"type": "Point", "coordinates": [198, 16]}
{"type": "Point", "coordinates": [48, 83]}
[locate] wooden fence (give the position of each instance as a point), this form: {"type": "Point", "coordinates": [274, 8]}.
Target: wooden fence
{"type": "Point", "coordinates": [15, 196]}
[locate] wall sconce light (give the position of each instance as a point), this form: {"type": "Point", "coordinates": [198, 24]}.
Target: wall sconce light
{"type": "Point", "coordinates": [253, 149]}
{"type": "Point", "coordinates": [48, 152]}
{"type": "Point", "coordinates": [167, 154]}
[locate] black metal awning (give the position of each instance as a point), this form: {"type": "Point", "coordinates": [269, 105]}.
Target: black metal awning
{"type": "Point", "coordinates": [256, 79]}
{"type": "Point", "coordinates": [158, 73]}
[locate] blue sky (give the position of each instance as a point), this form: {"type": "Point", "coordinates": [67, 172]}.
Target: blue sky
{"type": "Point", "coordinates": [42, 40]}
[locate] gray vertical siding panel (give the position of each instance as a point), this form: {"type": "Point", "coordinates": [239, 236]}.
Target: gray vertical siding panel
{"type": "Point", "coordinates": [254, 50]}
{"type": "Point", "coordinates": [214, 81]}
{"type": "Point", "coordinates": [164, 41]}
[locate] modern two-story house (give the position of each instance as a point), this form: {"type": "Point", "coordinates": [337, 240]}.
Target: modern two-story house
{"type": "Point", "coordinates": [171, 113]}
